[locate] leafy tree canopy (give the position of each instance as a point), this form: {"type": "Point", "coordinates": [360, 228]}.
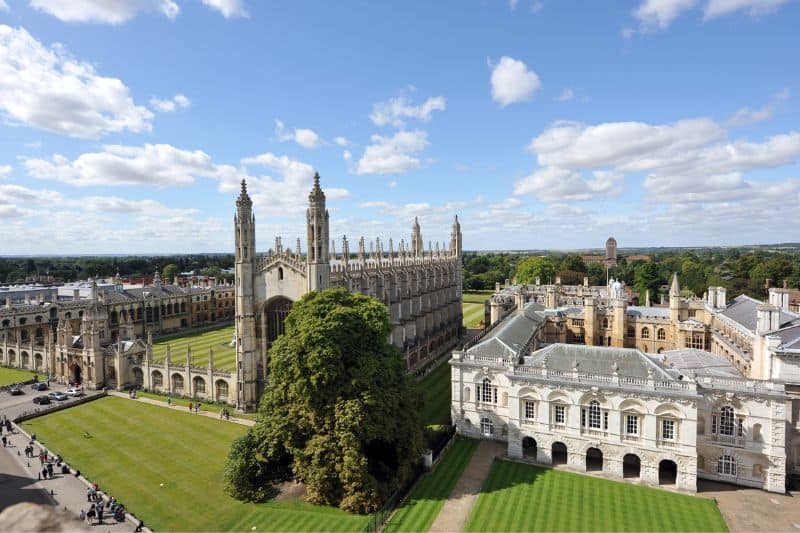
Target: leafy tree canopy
{"type": "Point", "coordinates": [530, 268]}
{"type": "Point", "coordinates": [340, 412]}
{"type": "Point", "coordinates": [169, 272]}
{"type": "Point", "coordinates": [573, 263]}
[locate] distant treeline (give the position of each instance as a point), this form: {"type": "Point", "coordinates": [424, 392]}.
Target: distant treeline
{"type": "Point", "coordinates": [64, 269]}
{"type": "Point", "coordinates": [740, 270]}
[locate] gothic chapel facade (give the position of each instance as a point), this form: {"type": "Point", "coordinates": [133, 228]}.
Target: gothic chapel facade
{"type": "Point", "coordinates": [421, 290]}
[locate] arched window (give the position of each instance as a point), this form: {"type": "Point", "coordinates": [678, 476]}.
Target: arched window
{"type": "Point", "coordinates": [645, 333]}
{"type": "Point", "coordinates": [222, 389]}
{"type": "Point", "coordinates": [726, 465]}
{"type": "Point", "coordinates": [487, 426]}
{"type": "Point", "coordinates": [158, 380]}
{"type": "Point", "coordinates": [280, 273]}
{"type": "Point", "coordinates": [199, 385]}
{"type": "Point", "coordinates": [488, 392]}
{"type": "Point", "coordinates": [727, 421]}
{"type": "Point", "coordinates": [177, 382]}
{"type": "Point", "coordinates": [662, 335]}
{"type": "Point", "coordinates": [594, 414]}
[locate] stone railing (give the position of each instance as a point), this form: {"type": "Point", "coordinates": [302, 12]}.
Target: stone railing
{"type": "Point", "coordinates": [603, 379]}
{"type": "Point", "coordinates": [741, 384]}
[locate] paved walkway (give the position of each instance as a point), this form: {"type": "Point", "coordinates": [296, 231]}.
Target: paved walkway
{"type": "Point", "coordinates": [456, 509]}
{"type": "Point", "coordinates": [242, 421]}
{"type": "Point", "coordinates": [19, 482]}
{"type": "Point", "coordinates": [746, 509]}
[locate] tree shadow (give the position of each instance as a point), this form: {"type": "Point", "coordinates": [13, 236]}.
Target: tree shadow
{"type": "Point", "coordinates": [17, 489]}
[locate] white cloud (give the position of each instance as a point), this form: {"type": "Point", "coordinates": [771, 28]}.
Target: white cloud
{"type": "Point", "coordinates": [393, 111]}
{"type": "Point", "coordinates": [346, 155]}
{"type": "Point", "coordinates": [285, 196]}
{"type": "Point", "coordinates": [566, 95]}
{"type": "Point", "coordinates": [552, 184]}
{"type": "Point", "coordinates": [508, 203]}
{"type": "Point", "coordinates": [512, 82]}
{"type": "Point", "coordinates": [5, 171]}
{"type": "Point", "coordinates": [3, 5]}
{"type": "Point", "coordinates": [341, 141]}
{"type": "Point", "coordinates": [512, 4]}
{"type": "Point", "coordinates": [537, 6]}
{"type": "Point", "coordinates": [228, 8]}
{"type": "Point", "coordinates": [159, 165]}
{"type": "Point", "coordinates": [23, 196]}
{"type": "Point", "coordinates": [685, 161]}
{"type": "Point", "coordinates": [305, 137]}
{"type": "Point", "coordinates": [393, 155]}
{"type": "Point", "coordinates": [754, 8]}
{"type": "Point", "coordinates": [47, 89]}
{"type": "Point", "coordinates": [104, 11]}
{"type": "Point", "coordinates": [659, 14]}
{"type": "Point", "coordinates": [171, 104]}
{"type": "Point", "coordinates": [745, 115]}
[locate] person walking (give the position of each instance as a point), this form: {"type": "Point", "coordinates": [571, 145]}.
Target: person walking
{"type": "Point", "coordinates": [4, 440]}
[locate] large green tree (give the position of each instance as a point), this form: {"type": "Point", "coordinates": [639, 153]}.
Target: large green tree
{"type": "Point", "coordinates": [533, 267]}
{"type": "Point", "coordinates": [646, 278]}
{"type": "Point", "coordinates": [340, 413]}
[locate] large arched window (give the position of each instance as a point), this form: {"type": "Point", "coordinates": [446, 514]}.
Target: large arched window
{"type": "Point", "coordinates": [158, 380]}
{"type": "Point", "coordinates": [222, 389]}
{"type": "Point", "coordinates": [726, 465]}
{"type": "Point", "coordinates": [487, 426]}
{"type": "Point", "coordinates": [594, 414]}
{"type": "Point", "coordinates": [726, 421]}
{"type": "Point", "coordinates": [662, 334]}
{"type": "Point", "coordinates": [645, 333]}
{"type": "Point", "coordinates": [488, 393]}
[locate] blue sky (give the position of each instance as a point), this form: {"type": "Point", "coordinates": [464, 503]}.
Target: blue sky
{"type": "Point", "coordinates": [126, 125]}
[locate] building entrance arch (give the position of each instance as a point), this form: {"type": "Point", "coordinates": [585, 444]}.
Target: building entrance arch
{"type": "Point", "coordinates": [594, 460]}
{"type": "Point", "coordinates": [75, 374]}
{"type": "Point", "coordinates": [559, 453]}
{"type": "Point", "coordinates": [529, 447]}
{"type": "Point", "coordinates": [667, 472]}
{"type": "Point", "coordinates": [631, 466]}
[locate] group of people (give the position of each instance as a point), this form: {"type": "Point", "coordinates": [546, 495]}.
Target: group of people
{"type": "Point", "coordinates": [98, 509]}
{"type": "Point", "coordinates": [224, 413]}
{"type": "Point", "coordinates": [5, 423]}
{"type": "Point", "coordinates": [194, 407]}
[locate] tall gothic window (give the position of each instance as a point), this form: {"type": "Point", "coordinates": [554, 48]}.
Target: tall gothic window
{"type": "Point", "coordinates": [662, 335]}
{"type": "Point", "coordinates": [488, 392]}
{"type": "Point", "coordinates": [645, 333]}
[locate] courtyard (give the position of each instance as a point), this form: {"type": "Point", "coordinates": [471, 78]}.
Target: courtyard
{"type": "Point", "coordinates": [472, 308]}
{"type": "Point", "coordinates": [218, 339]}
{"type": "Point", "coordinates": [9, 376]}
{"type": "Point", "coordinates": [166, 467]}
{"type": "Point", "coordinates": [521, 497]}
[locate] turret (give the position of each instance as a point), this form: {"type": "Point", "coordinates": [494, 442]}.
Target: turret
{"type": "Point", "coordinates": [245, 265]}
{"type": "Point", "coordinates": [675, 302]}
{"type": "Point", "coordinates": [318, 227]}
{"type": "Point", "coordinates": [455, 238]}
{"type": "Point", "coordinates": [417, 247]}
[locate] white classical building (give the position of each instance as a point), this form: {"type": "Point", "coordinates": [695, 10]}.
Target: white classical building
{"type": "Point", "coordinates": [667, 418]}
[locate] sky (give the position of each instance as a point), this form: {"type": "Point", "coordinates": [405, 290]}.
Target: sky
{"type": "Point", "coordinates": [126, 126]}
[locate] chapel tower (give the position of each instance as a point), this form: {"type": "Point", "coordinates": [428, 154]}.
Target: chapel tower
{"type": "Point", "coordinates": [417, 246]}
{"type": "Point", "coordinates": [247, 375]}
{"type": "Point", "coordinates": [318, 226]}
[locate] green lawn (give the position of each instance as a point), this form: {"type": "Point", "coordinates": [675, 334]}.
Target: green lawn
{"type": "Point", "coordinates": [135, 448]}
{"type": "Point", "coordinates": [472, 308]}
{"type": "Point", "coordinates": [219, 339]}
{"type": "Point", "coordinates": [204, 406]}
{"type": "Point", "coordinates": [426, 500]}
{"type": "Point", "coordinates": [519, 497]}
{"type": "Point", "coordinates": [13, 375]}
{"type": "Point", "coordinates": [435, 389]}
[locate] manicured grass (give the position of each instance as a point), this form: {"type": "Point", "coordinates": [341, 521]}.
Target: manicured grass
{"type": "Point", "coordinates": [472, 308]}
{"type": "Point", "coordinates": [435, 389]}
{"type": "Point", "coordinates": [426, 500]}
{"type": "Point", "coordinates": [519, 497]}
{"type": "Point", "coordinates": [218, 339]}
{"type": "Point", "coordinates": [204, 406]}
{"type": "Point", "coordinates": [14, 375]}
{"type": "Point", "coordinates": [136, 447]}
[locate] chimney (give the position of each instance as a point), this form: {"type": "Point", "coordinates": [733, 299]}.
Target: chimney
{"type": "Point", "coordinates": [8, 302]}
{"type": "Point", "coordinates": [497, 286]}
{"type": "Point", "coordinates": [40, 298]}
{"type": "Point", "coordinates": [558, 280]}
{"type": "Point", "coordinates": [722, 297]}
{"type": "Point", "coordinates": [786, 284]}
{"type": "Point", "coordinates": [585, 281]}
{"type": "Point", "coordinates": [767, 283]}
{"type": "Point", "coordinates": [538, 281]}
{"type": "Point", "coordinates": [76, 294]}
{"type": "Point", "coordinates": [508, 283]}
{"type": "Point", "coordinates": [27, 299]}
{"type": "Point", "coordinates": [519, 299]}
{"type": "Point", "coordinates": [768, 318]}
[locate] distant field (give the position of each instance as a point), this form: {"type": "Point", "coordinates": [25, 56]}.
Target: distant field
{"type": "Point", "coordinates": [422, 506]}
{"type": "Point", "coordinates": [9, 376]}
{"type": "Point", "coordinates": [472, 307]}
{"type": "Point", "coordinates": [166, 466]}
{"type": "Point", "coordinates": [518, 497]}
{"type": "Point", "coordinates": [219, 339]}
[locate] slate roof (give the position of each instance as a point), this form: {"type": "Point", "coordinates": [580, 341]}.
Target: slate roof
{"type": "Point", "coordinates": [742, 310]}
{"type": "Point", "coordinates": [641, 311]}
{"type": "Point", "coordinates": [790, 339]}
{"type": "Point", "coordinates": [511, 335]}
{"type": "Point", "coordinates": [694, 362]}
{"type": "Point", "coordinates": [630, 362]}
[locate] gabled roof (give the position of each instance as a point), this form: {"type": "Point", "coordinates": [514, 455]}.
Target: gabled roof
{"type": "Point", "coordinates": [742, 310]}
{"type": "Point", "coordinates": [641, 311]}
{"type": "Point", "coordinates": [511, 335]}
{"type": "Point", "coordinates": [629, 362]}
